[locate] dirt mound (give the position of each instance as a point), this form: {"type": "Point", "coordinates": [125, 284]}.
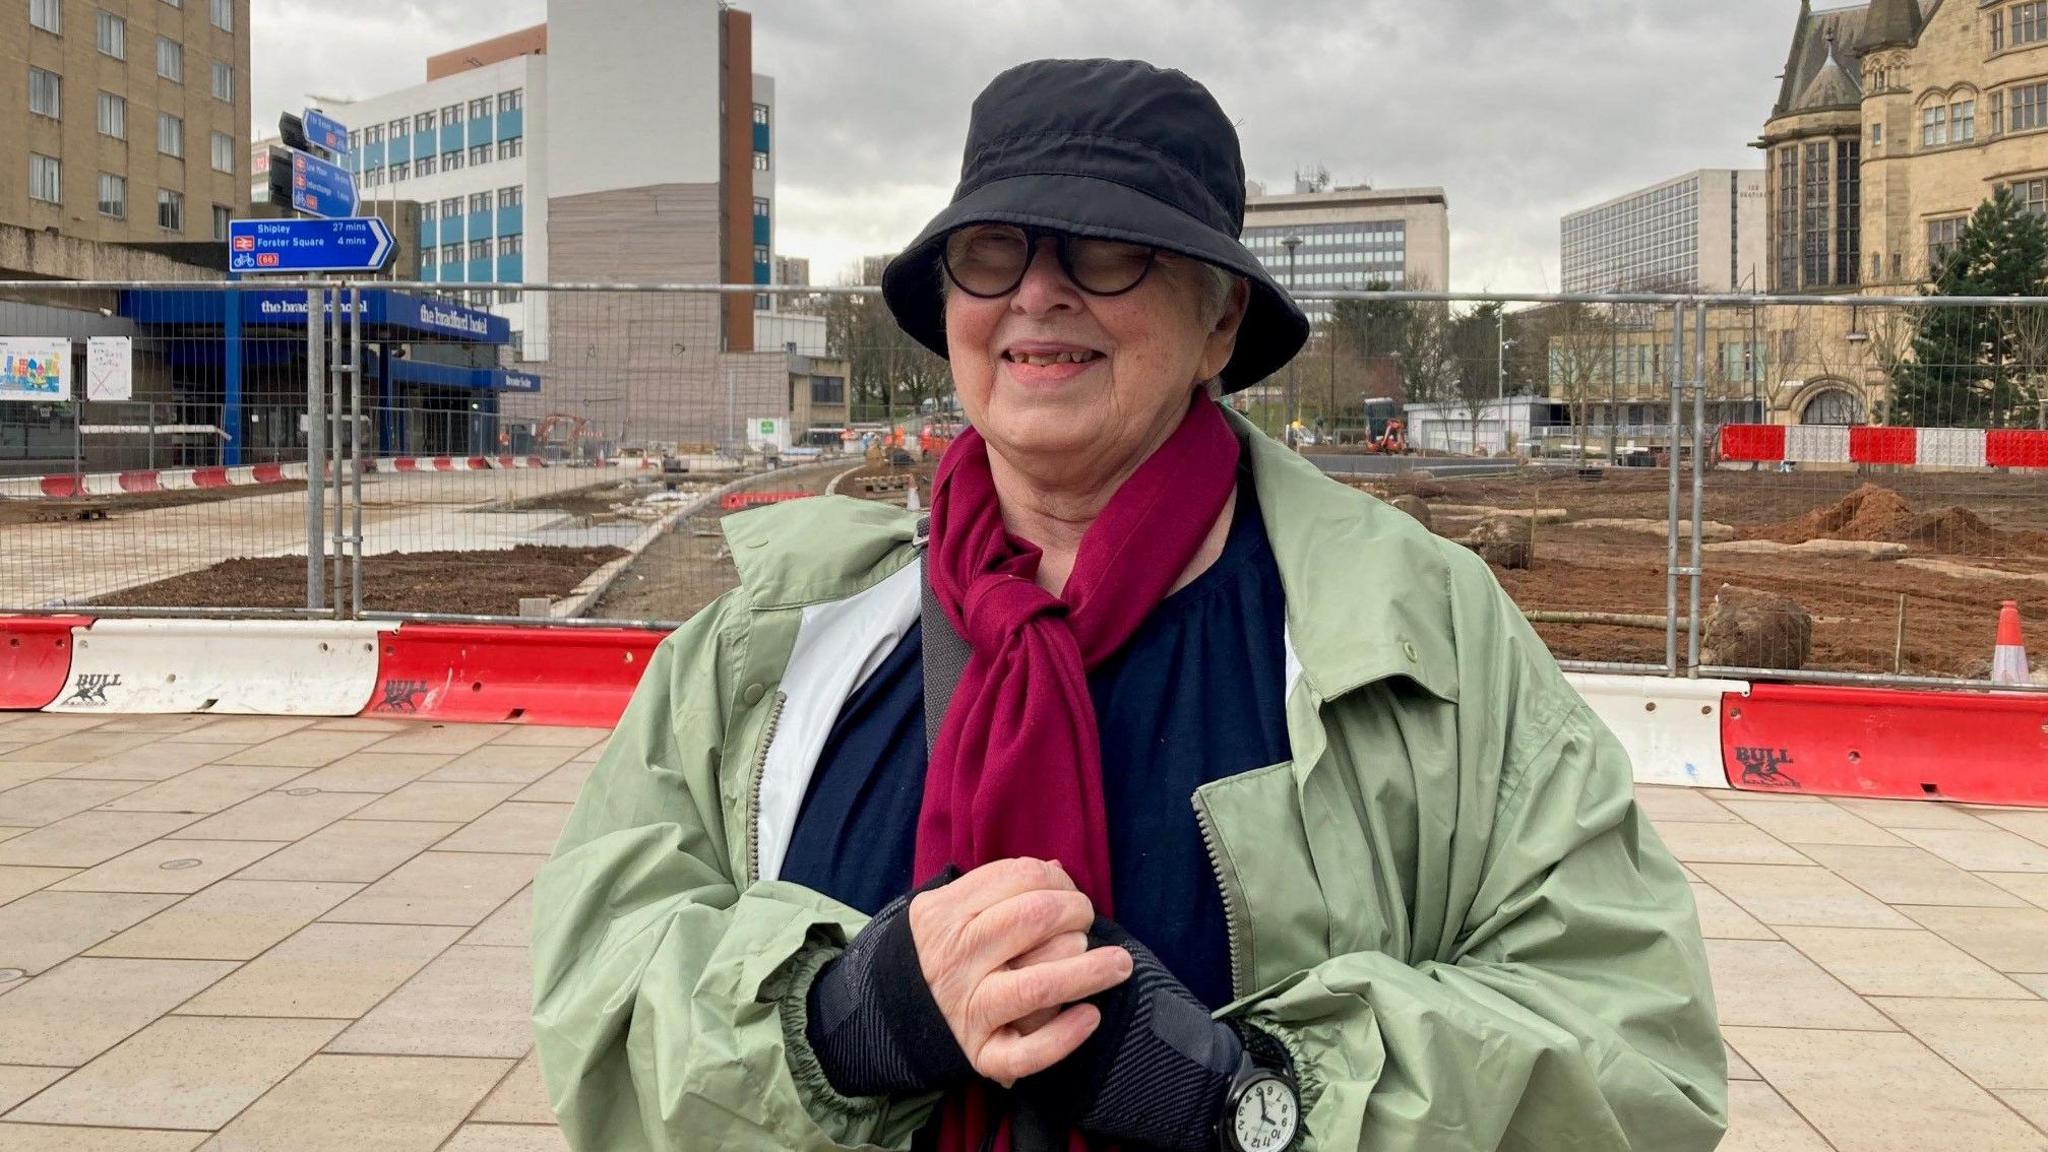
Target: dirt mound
{"type": "Point", "coordinates": [1958, 531]}
{"type": "Point", "coordinates": [1876, 513]}
{"type": "Point", "coordinates": [1871, 512]}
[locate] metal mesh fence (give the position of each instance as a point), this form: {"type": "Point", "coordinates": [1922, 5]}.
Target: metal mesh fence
{"type": "Point", "coordinates": [1869, 475]}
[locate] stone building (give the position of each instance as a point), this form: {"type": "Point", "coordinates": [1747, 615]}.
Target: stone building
{"type": "Point", "coordinates": [1894, 121]}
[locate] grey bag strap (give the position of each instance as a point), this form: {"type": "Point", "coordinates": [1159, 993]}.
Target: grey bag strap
{"type": "Point", "coordinates": [945, 652]}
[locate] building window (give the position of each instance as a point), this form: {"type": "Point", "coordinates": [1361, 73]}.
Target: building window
{"type": "Point", "coordinates": [511, 245]}
{"type": "Point", "coordinates": [170, 210]}
{"type": "Point", "coordinates": [223, 82]}
{"type": "Point", "coordinates": [221, 214]}
{"type": "Point", "coordinates": [451, 115]}
{"type": "Point", "coordinates": [373, 135]}
{"type": "Point", "coordinates": [1876, 135]}
{"type": "Point", "coordinates": [113, 36]}
{"type": "Point", "coordinates": [760, 208]}
{"type": "Point", "coordinates": [1997, 114]}
{"type": "Point", "coordinates": [1813, 224]}
{"type": "Point", "coordinates": [47, 15]}
{"type": "Point", "coordinates": [512, 101]}
{"type": "Point", "coordinates": [423, 123]}
{"type": "Point", "coordinates": [451, 254]}
{"type": "Point", "coordinates": [427, 257]}
{"type": "Point", "coordinates": [452, 160]}
{"type": "Point", "coordinates": [113, 115]}
{"type": "Point", "coordinates": [512, 197]}
{"type": "Point", "coordinates": [355, 140]}
{"type": "Point", "coordinates": [373, 177]}
{"type": "Point", "coordinates": [760, 161]}
{"type": "Point", "coordinates": [479, 154]}
{"type": "Point", "coordinates": [1943, 237]}
{"type": "Point", "coordinates": [45, 93]}
{"type": "Point", "coordinates": [511, 147]}
{"type": "Point", "coordinates": [113, 195]}
{"type": "Point", "coordinates": [479, 249]}
{"type": "Point", "coordinates": [399, 128]}
{"type": "Point", "coordinates": [451, 208]}
{"type": "Point", "coordinates": [480, 108]}
{"type": "Point", "coordinates": [175, 3]}
{"type": "Point", "coordinates": [507, 295]}
{"type": "Point", "coordinates": [480, 298]}
{"type": "Point", "coordinates": [400, 170]}
{"type": "Point", "coordinates": [1934, 126]}
{"type": "Point", "coordinates": [222, 13]}
{"type": "Point", "coordinates": [428, 211]}
{"type": "Point", "coordinates": [2029, 107]}
{"type": "Point", "coordinates": [761, 114]}
{"type": "Point", "coordinates": [223, 152]}
{"type": "Point", "coordinates": [45, 179]}
{"type": "Point", "coordinates": [170, 135]}
{"type": "Point", "coordinates": [1997, 31]}
{"type": "Point", "coordinates": [2033, 196]}
{"type": "Point", "coordinates": [760, 254]}
{"type": "Point", "coordinates": [170, 59]}
{"type": "Point", "coordinates": [1962, 121]}
{"type": "Point", "coordinates": [1848, 210]}
{"type": "Point", "coordinates": [479, 203]}
{"type": "Point", "coordinates": [1876, 267]}
{"type": "Point", "coordinates": [424, 166]}
{"type": "Point", "coordinates": [2029, 23]}
{"type": "Point", "coordinates": [828, 390]}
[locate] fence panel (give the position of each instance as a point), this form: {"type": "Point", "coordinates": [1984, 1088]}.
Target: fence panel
{"type": "Point", "coordinates": [127, 500]}
{"type": "Point", "coordinates": [1875, 518]}
{"type": "Point", "coordinates": [569, 450]}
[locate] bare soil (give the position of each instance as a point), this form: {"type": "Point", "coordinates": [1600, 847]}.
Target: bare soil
{"type": "Point", "coordinates": [47, 511]}
{"type": "Point", "coordinates": [466, 583]}
{"type": "Point", "coordinates": [1987, 521]}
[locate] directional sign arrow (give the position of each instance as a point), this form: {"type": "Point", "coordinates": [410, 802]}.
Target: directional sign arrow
{"type": "Point", "coordinates": [354, 244]}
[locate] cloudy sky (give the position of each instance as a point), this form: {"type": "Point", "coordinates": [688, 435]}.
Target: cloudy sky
{"type": "Point", "coordinates": [1520, 109]}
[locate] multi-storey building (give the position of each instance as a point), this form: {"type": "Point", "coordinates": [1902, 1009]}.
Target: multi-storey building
{"type": "Point", "coordinates": [1352, 238]}
{"type": "Point", "coordinates": [1703, 231]}
{"type": "Point", "coordinates": [125, 121]}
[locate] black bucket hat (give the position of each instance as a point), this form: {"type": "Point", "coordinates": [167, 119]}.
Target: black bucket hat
{"type": "Point", "coordinates": [1115, 149]}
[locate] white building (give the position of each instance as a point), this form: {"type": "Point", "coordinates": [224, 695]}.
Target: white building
{"type": "Point", "coordinates": [621, 142]}
{"type": "Point", "coordinates": [1701, 231]}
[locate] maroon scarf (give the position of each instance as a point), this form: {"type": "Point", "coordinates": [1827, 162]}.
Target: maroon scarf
{"type": "Point", "coordinates": [1017, 768]}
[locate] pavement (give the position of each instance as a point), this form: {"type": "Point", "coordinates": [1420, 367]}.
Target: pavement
{"type": "Point", "coordinates": [276, 934]}
{"type": "Point", "coordinates": [46, 563]}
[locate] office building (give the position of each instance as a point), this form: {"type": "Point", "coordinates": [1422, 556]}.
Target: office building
{"type": "Point", "coordinates": [792, 271]}
{"type": "Point", "coordinates": [1703, 231]}
{"type": "Point", "coordinates": [1352, 238]}
{"type": "Point", "coordinates": [125, 121]}
{"type": "Point", "coordinates": [620, 142]}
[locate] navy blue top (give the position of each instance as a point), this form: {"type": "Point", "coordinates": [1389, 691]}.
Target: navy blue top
{"type": "Point", "coordinates": [1196, 695]}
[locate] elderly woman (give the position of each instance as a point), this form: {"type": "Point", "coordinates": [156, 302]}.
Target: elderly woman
{"type": "Point", "coordinates": [1162, 794]}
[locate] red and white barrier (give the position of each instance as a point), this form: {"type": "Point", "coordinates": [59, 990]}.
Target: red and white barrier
{"type": "Point", "coordinates": [67, 486]}
{"type": "Point", "coordinates": [239, 667]}
{"type": "Point", "coordinates": [1985, 748]}
{"type": "Point", "coordinates": [1671, 728]}
{"type": "Point", "coordinates": [1869, 444]}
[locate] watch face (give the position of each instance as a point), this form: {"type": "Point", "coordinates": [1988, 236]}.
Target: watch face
{"type": "Point", "coordinates": [1266, 1117]}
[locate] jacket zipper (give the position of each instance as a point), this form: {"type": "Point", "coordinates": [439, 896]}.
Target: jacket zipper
{"type": "Point", "coordinates": [754, 789]}
{"type": "Point", "coordinates": [1236, 933]}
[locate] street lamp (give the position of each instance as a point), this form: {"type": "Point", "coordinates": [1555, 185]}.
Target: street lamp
{"type": "Point", "coordinates": [1293, 397]}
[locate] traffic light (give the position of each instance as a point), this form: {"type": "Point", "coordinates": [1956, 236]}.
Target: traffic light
{"type": "Point", "coordinates": [293, 130]}
{"type": "Point", "coordinates": [281, 177]}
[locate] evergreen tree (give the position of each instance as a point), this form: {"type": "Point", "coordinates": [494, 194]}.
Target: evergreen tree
{"type": "Point", "coordinates": [1968, 369]}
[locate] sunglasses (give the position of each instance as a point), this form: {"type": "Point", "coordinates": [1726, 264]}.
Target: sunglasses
{"type": "Point", "coordinates": [990, 260]}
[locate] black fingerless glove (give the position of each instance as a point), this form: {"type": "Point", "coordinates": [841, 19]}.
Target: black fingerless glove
{"type": "Point", "coordinates": [874, 1027]}
{"type": "Point", "coordinates": [1155, 1072]}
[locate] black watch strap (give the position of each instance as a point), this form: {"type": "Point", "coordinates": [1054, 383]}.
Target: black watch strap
{"type": "Point", "coordinates": [1264, 1049]}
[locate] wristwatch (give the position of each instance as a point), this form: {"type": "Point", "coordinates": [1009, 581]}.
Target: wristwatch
{"type": "Point", "coordinates": [1262, 1109]}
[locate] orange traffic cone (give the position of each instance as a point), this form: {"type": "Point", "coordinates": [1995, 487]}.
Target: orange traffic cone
{"type": "Point", "coordinates": [2009, 659]}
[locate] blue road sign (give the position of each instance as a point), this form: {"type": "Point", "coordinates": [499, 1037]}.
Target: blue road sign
{"type": "Point", "coordinates": [320, 188]}
{"type": "Point", "coordinates": [326, 132]}
{"type": "Point", "coordinates": [350, 245]}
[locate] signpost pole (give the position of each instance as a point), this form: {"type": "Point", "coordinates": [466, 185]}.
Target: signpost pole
{"type": "Point", "coordinates": [337, 436]}
{"type": "Point", "coordinates": [77, 433]}
{"type": "Point", "coordinates": [355, 323]}
{"type": "Point", "coordinates": [316, 448]}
